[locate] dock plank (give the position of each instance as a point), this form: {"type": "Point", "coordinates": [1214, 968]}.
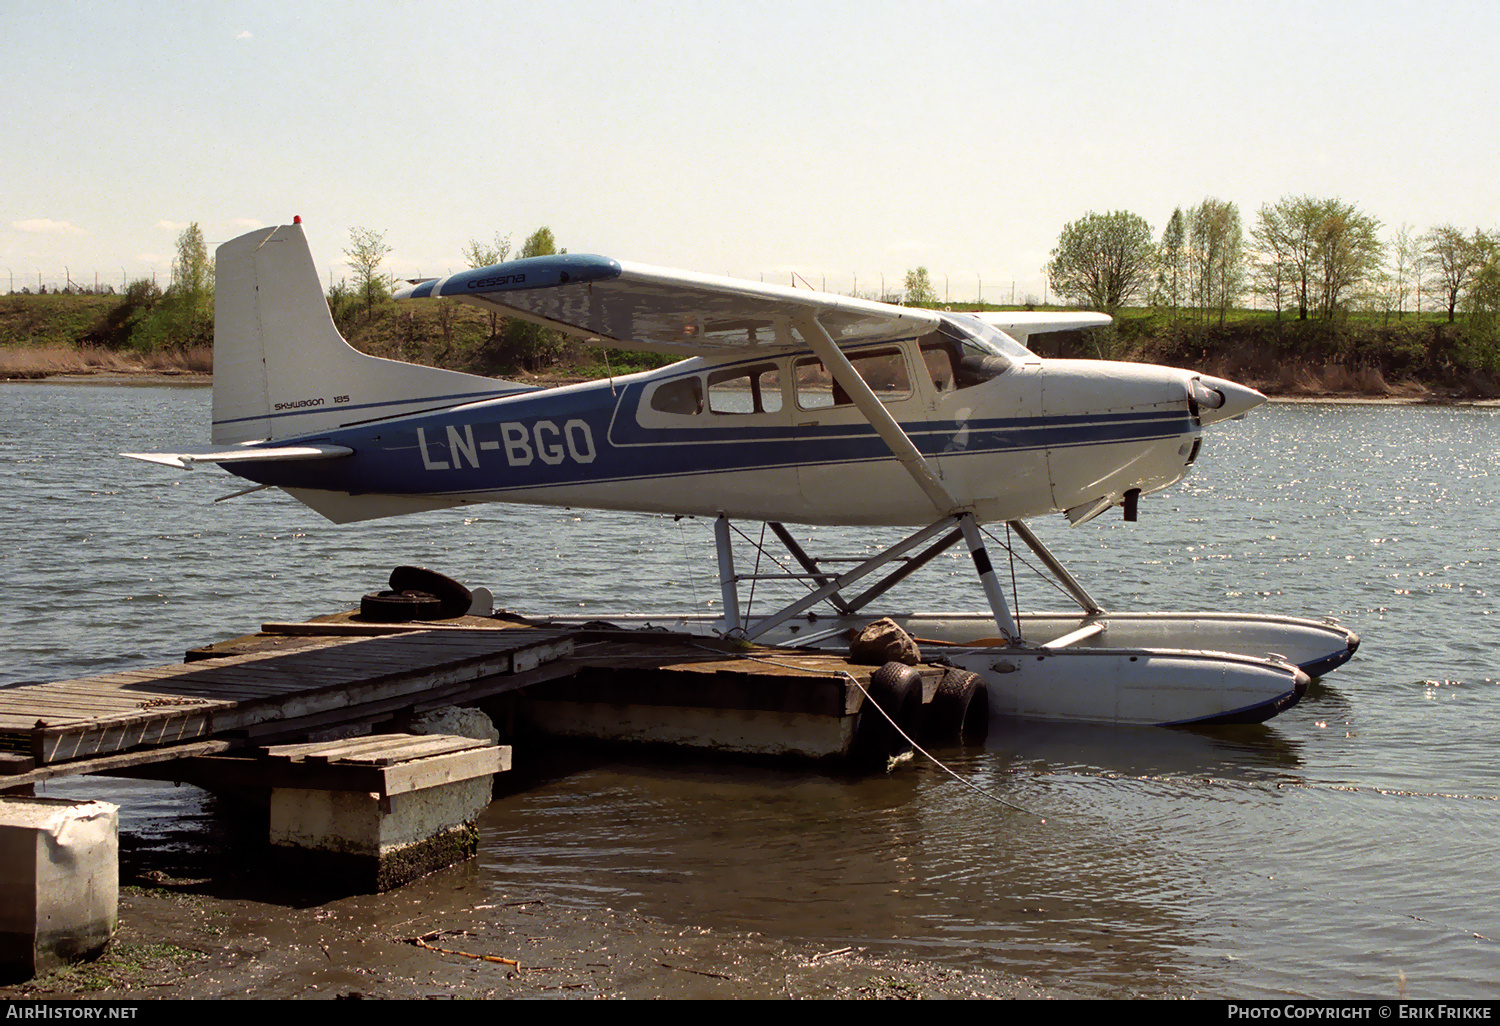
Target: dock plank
{"type": "Point", "coordinates": [112, 712]}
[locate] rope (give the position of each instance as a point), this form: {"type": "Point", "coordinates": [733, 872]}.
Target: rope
{"type": "Point", "coordinates": [938, 762]}
{"type": "Point", "coordinates": [915, 747]}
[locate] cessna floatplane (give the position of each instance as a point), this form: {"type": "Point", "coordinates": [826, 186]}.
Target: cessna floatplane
{"type": "Point", "coordinates": [791, 406]}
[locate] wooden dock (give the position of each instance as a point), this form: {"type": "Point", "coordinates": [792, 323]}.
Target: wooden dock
{"type": "Point", "coordinates": [294, 685]}
{"type": "Point", "coordinates": [291, 680]}
{"type": "Point", "coordinates": [326, 720]}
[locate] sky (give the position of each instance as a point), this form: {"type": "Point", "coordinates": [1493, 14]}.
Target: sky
{"type": "Point", "coordinates": [841, 142]}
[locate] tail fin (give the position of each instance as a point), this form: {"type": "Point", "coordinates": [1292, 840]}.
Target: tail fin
{"type": "Point", "coordinates": [281, 368]}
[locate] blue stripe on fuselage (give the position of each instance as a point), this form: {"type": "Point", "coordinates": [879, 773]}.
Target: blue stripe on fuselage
{"type": "Point", "coordinates": [589, 435]}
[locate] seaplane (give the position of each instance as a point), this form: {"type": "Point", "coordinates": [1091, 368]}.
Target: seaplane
{"type": "Point", "coordinates": [788, 406]}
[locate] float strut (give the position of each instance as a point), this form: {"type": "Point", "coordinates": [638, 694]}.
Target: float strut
{"type": "Point", "coordinates": [987, 578]}
{"type": "Point", "coordinates": [729, 588]}
{"type": "Point", "coordinates": [1051, 562]}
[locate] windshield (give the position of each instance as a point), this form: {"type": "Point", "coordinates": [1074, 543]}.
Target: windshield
{"type": "Point", "coordinates": [964, 351]}
{"type": "Point", "coordinates": [980, 338]}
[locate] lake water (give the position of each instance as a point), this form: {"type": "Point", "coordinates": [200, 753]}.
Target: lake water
{"type": "Point", "coordinates": [1347, 848]}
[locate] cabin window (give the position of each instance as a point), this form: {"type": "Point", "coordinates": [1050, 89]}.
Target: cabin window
{"type": "Point", "coordinates": [684, 395]}
{"type": "Point", "coordinates": [745, 389]}
{"type": "Point", "coordinates": [884, 370]}
{"type": "Point", "coordinates": [941, 370]}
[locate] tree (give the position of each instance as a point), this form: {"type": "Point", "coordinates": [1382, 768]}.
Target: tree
{"type": "Point", "coordinates": [1285, 231]}
{"type": "Point", "coordinates": [1408, 260]}
{"type": "Point", "coordinates": [479, 255]}
{"type": "Point", "coordinates": [919, 291]}
{"type": "Point", "coordinates": [1349, 253]}
{"type": "Point", "coordinates": [1103, 260]}
{"type": "Point", "coordinates": [1215, 256]}
{"type": "Point", "coordinates": [1271, 264]}
{"type": "Point", "coordinates": [539, 243]}
{"type": "Point", "coordinates": [186, 314]}
{"type": "Point", "coordinates": [367, 250]}
{"type": "Point", "coordinates": [192, 272]}
{"type": "Point", "coordinates": [1170, 262]}
{"type": "Point", "coordinates": [1456, 259]}
{"type": "Point", "coordinates": [1322, 251]}
{"type": "Point", "coordinates": [1483, 297]}
{"type": "Point", "coordinates": [530, 344]}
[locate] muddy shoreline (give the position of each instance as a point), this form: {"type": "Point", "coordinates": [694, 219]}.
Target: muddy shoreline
{"type": "Point", "coordinates": [442, 938]}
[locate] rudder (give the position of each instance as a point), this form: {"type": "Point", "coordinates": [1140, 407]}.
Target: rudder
{"type": "Point", "coordinates": [281, 368]}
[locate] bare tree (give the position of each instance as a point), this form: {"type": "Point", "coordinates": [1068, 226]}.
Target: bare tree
{"type": "Point", "coordinates": [367, 250]}
{"type": "Point", "coordinates": [1215, 256]}
{"type": "Point", "coordinates": [477, 254]}
{"type": "Point", "coordinates": [1456, 258]}
{"type": "Point", "coordinates": [1405, 269]}
{"type": "Point", "coordinates": [1170, 261]}
{"type": "Point", "coordinates": [1103, 260]}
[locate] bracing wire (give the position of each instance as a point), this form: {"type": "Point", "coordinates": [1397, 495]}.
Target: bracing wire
{"type": "Point", "coordinates": [1024, 561]}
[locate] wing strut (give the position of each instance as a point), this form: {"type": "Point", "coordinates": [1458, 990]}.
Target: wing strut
{"type": "Point", "coordinates": [875, 412]}
{"type": "Point", "coordinates": [1067, 580]}
{"type": "Point", "coordinates": [902, 447]}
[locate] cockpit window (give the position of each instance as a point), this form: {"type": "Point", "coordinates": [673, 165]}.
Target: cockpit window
{"type": "Point", "coordinates": [964, 351]}
{"type": "Point", "coordinates": [745, 389]}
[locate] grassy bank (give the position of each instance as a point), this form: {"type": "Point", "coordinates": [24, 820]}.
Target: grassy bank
{"type": "Point", "coordinates": [1360, 355]}
{"type": "Point", "coordinates": [1368, 354]}
{"type": "Point", "coordinates": [32, 362]}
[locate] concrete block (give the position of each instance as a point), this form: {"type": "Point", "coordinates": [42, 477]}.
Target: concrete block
{"type": "Point", "coordinates": [373, 844]}
{"type": "Point", "coordinates": [756, 732]}
{"type": "Point", "coordinates": [456, 721]}
{"type": "Point", "coordinates": [59, 882]}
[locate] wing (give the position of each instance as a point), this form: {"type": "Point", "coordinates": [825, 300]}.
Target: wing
{"type": "Point", "coordinates": [1021, 324]}
{"type": "Point", "coordinates": [679, 313]}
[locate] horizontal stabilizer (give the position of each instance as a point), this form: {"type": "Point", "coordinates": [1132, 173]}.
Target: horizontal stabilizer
{"type": "Point", "coordinates": [185, 460]}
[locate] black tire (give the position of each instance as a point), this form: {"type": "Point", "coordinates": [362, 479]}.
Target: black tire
{"type": "Point", "coordinates": [897, 689]}
{"type": "Point", "coordinates": [400, 606]}
{"type": "Point", "coordinates": [454, 597]}
{"type": "Point", "coordinates": [960, 708]}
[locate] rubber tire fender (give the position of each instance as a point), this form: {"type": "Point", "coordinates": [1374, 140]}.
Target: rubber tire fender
{"type": "Point", "coordinates": [400, 606]}
{"type": "Point", "coordinates": [897, 689]}
{"type": "Point", "coordinates": [454, 597]}
{"type": "Point", "coordinates": [960, 708]}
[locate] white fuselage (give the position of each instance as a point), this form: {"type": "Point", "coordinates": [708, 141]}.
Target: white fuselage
{"type": "Point", "coordinates": [773, 439]}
